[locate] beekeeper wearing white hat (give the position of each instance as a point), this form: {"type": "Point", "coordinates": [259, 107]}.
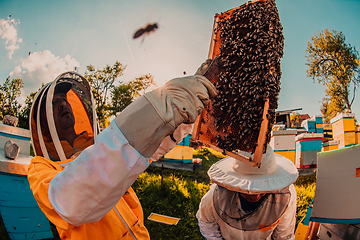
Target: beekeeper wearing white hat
{"type": "Point", "coordinates": [248, 202]}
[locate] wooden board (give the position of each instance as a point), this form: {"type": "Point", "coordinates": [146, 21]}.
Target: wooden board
{"type": "Point", "coordinates": [206, 128]}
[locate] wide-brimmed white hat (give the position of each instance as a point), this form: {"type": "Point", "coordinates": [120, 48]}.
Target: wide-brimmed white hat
{"type": "Point", "coordinates": [275, 173]}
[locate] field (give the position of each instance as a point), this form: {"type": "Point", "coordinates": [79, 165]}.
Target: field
{"type": "Point", "coordinates": [178, 194]}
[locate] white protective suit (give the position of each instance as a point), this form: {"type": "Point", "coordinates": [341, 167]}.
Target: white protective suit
{"type": "Point", "coordinates": [213, 227]}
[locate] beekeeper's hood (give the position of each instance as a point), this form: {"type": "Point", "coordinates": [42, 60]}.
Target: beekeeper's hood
{"type": "Point", "coordinates": [276, 173]}
{"type": "Point", "coordinates": [44, 136]}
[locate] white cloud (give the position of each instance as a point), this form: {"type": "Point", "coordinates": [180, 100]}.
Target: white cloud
{"type": "Point", "coordinates": [41, 67]}
{"type": "Point", "coordinates": [9, 33]}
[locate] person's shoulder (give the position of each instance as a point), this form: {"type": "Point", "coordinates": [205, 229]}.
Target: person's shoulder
{"type": "Point", "coordinates": [46, 163]}
{"type": "Point", "coordinates": [292, 189]}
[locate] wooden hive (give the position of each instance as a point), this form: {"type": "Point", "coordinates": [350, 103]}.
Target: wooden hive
{"type": "Point", "coordinates": [248, 41]}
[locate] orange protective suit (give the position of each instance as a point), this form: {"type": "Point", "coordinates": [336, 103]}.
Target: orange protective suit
{"type": "Point", "coordinates": [111, 226]}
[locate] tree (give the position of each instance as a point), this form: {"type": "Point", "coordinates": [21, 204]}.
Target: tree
{"type": "Point", "coordinates": [334, 63]}
{"type": "Point", "coordinates": [10, 91]}
{"type": "Point", "coordinates": [295, 120]}
{"type": "Point", "coordinates": [331, 104]}
{"type": "Point", "coordinates": [124, 94]}
{"type": "Point", "coordinates": [102, 83]}
{"type": "Point", "coordinates": [24, 113]}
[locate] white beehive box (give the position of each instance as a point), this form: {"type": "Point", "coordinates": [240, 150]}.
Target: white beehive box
{"type": "Point", "coordinates": [18, 135]}
{"type": "Point", "coordinates": [337, 191]}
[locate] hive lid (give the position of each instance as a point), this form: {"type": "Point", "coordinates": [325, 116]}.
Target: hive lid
{"type": "Point", "coordinates": [309, 135]}
{"type": "Point", "coordinates": [340, 116]}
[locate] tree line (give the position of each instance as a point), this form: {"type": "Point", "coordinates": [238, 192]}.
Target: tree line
{"type": "Point", "coordinates": [330, 60]}
{"type": "Point", "coordinates": [110, 98]}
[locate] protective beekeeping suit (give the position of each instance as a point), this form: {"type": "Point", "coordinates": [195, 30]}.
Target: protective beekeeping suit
{"type": "Point", "coordinates": [82, 179]}
{"type": "Point", "coordinates": [247, 202]}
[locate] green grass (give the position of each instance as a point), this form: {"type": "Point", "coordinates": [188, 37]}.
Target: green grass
{"type": "Point", "coordinates": [173, 197]}
{"type": "Point", "coordinates": [180, 193]}
{"type": "Point", "coordinates": [305, 190]}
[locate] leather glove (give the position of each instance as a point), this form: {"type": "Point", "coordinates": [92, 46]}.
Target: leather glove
{"type": "Point", "coordinates": [204, 66]}
{"type": "Point", "coordinates": [155, 115]}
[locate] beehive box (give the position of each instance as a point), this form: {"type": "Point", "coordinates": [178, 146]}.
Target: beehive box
{"type": "Point", "coordinates": [181, 154]}
{"type": "Point", "coordinates": [327, 132]}
{"type": "Point", "coordinates": [185, 141]}
{"type": "Point", "coordinates": [306, 160]}
{"type": "Point", "coordinates": [346, 139]}
{"type": "Point", "coordinates": [318, 123]}
{"type": "Point", "coordinates": [337, 191]}
{"type": "Point", "coordinates": [329, 231]}
{"type": "Point", "coordinates": [283, 143]}
{"type": "Point", "coordinates": [343, 127]}
{"type": "Point", "coordinates": [309, 125]}
{"type": "Point", "coordinates": [18, 135]}
{"type": "Point", "coordinates": [357, 135]}
{"type": "Point", "coordinates": [307, 146]}
{"type": "Point", "coordinates": [330, 145]}
{"type": "Point", "coordinates": [309, 141]}
{"type": "Point", "coordinates": [248, 41]}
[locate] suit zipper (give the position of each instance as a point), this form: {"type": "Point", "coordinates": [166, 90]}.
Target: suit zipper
{"type": "Point", "coordinates": [132, 234]}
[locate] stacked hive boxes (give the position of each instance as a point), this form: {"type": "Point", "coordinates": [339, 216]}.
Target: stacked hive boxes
{"type": "Point", "coordinates": [318, 123]}
{"type": "Point", "coordinates": [357, 135]}
{"type": "Point", "coordinates": [283, 143]}
{"type": "Point", "coordinates": [330, 145]}
{"type": "Point", "coordinates": [343, 126]}
{"type": "Point", "coordinates": [307, 146]}
{"type": "Point", "coordinates": [182, 153]}
{"type": "Point", "coordinates": [327, 132]}
{"type": "Point", "coordinates": [309, 125]}
{"type": "Point", "coordinates": [313, 124]}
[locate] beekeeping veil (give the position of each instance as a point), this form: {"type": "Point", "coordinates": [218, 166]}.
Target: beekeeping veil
{"type": "Point", "coordinates": [233, 177]}
{"type": "Point", "coordinates": [44, 136]}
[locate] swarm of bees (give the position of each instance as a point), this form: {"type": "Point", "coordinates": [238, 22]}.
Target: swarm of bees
{"type": "Point", "coordinates": [250, 51]}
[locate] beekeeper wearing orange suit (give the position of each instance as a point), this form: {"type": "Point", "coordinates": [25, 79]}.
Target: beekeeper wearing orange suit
{"type": "Point", "coordinates": [81, 179]}
{"type": "Point", "coordinates": [248, 202]}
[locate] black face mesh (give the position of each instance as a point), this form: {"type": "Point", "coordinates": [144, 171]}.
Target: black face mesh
{"type": "Point", "coordinates": [249, 43]}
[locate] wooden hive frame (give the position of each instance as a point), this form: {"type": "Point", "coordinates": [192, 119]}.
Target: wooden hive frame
{"type": "Point", "coordinates": [205, 122]}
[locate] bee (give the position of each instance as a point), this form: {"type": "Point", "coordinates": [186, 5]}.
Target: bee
{"type": "Point", "coordinates": [145, 30]}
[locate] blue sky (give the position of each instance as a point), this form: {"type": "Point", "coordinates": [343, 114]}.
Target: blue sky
{"type": "Point", "coordinates": [63, 34]}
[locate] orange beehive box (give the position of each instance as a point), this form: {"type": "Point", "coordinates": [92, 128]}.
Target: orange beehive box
{"type": "Point", "coordinates": [248, 41]}
{"type": "Point", "coordinates": [343, 127]}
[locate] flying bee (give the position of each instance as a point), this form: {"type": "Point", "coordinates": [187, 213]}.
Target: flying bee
{"type": "Point", "coordinates": [145, 30]}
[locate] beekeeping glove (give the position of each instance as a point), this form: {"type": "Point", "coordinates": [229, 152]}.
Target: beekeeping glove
{"type": "Point", "coordinates": [156, 114]}
{"type": "Point", "coordinates": [204, 66]}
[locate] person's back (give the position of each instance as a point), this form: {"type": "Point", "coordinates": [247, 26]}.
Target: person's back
{"type": "Point", "coordinates": [248, 202]}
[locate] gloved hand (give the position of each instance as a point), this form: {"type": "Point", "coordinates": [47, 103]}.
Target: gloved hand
{"type": "Point", "coordinates": [155, 115]}
{"type": "Point", "coordinates": [204, 66]}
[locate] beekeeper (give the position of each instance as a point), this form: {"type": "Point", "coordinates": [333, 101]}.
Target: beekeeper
{"type": "Point", "coordinates": [248, 202]}
{"type": "Point", "coordinates": [82, 180]}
